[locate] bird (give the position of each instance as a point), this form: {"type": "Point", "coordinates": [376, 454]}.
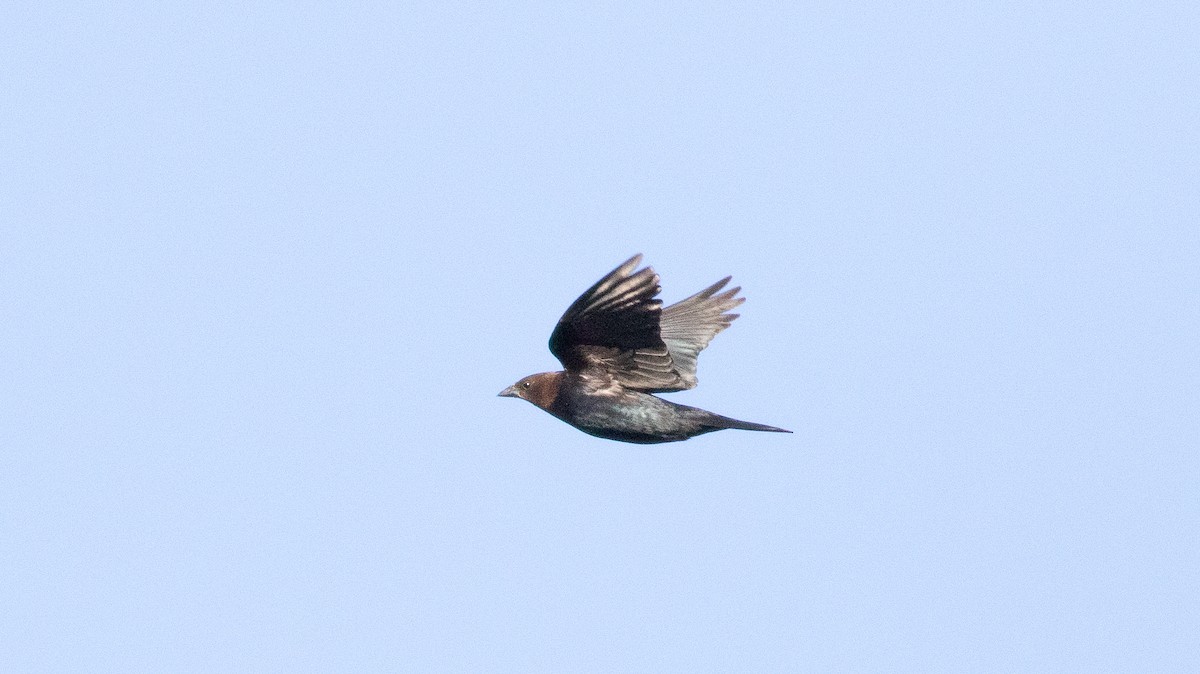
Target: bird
{"type": "Point", "coordinates": [618, 347]}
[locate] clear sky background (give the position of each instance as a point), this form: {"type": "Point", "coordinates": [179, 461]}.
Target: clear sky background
{"type": "Point", "coordinates": [264, 268]}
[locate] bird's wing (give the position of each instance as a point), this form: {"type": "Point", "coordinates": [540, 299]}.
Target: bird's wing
{"type": "Point", "coordinates": [614, 327]}
{"type": "Point", "coordinates": [689, 325]}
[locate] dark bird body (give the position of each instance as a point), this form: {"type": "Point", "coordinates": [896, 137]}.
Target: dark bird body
{"type": "Point", "coordinates": [618, 346]}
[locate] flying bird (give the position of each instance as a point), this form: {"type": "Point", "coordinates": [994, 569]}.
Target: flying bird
{"type": "Point", "coordinates": [619, 346]}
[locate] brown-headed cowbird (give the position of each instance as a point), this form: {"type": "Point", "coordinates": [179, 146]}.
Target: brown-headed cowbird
{"type": "Point", "coordinates": [618, 345]}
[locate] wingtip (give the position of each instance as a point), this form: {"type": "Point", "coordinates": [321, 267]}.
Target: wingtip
{"type": "Point", "coordinates": [715, 288]}
{"type": "Point", "coordinates": [731, 296]}
{"type": "Point", "coordinates": [625, 269]}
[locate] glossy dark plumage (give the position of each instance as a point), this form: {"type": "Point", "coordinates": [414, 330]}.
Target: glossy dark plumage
{"type": "Point", "coordinates": [618, 345]}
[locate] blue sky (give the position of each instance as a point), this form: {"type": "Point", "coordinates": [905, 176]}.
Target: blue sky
{"type": "Point", "coordinates": [265, 267]}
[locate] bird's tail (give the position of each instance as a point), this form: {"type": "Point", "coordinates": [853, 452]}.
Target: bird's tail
{"type": "Point", "coordinates": [726, 422]}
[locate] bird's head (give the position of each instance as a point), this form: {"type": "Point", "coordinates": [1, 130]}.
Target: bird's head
{"type": "Point", "coordinates": [540, 389]}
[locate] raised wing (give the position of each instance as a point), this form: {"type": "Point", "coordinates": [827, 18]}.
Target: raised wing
{"type": "Point", "coordinates": [614, 326]}
{"type": "Point", "coordinates": [689, 325]}
{"type": "Point", "coordinates": [619, 327]}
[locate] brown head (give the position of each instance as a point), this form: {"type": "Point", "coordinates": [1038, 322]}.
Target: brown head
{"type": "Point", "coordinates": [539, 389]}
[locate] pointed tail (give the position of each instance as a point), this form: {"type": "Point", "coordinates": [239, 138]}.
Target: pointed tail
{"type": "Point", "coordinates": [726, 422]}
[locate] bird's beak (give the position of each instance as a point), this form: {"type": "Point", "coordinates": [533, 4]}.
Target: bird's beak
{"type": "Point", "coordinates": [510, 392]}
